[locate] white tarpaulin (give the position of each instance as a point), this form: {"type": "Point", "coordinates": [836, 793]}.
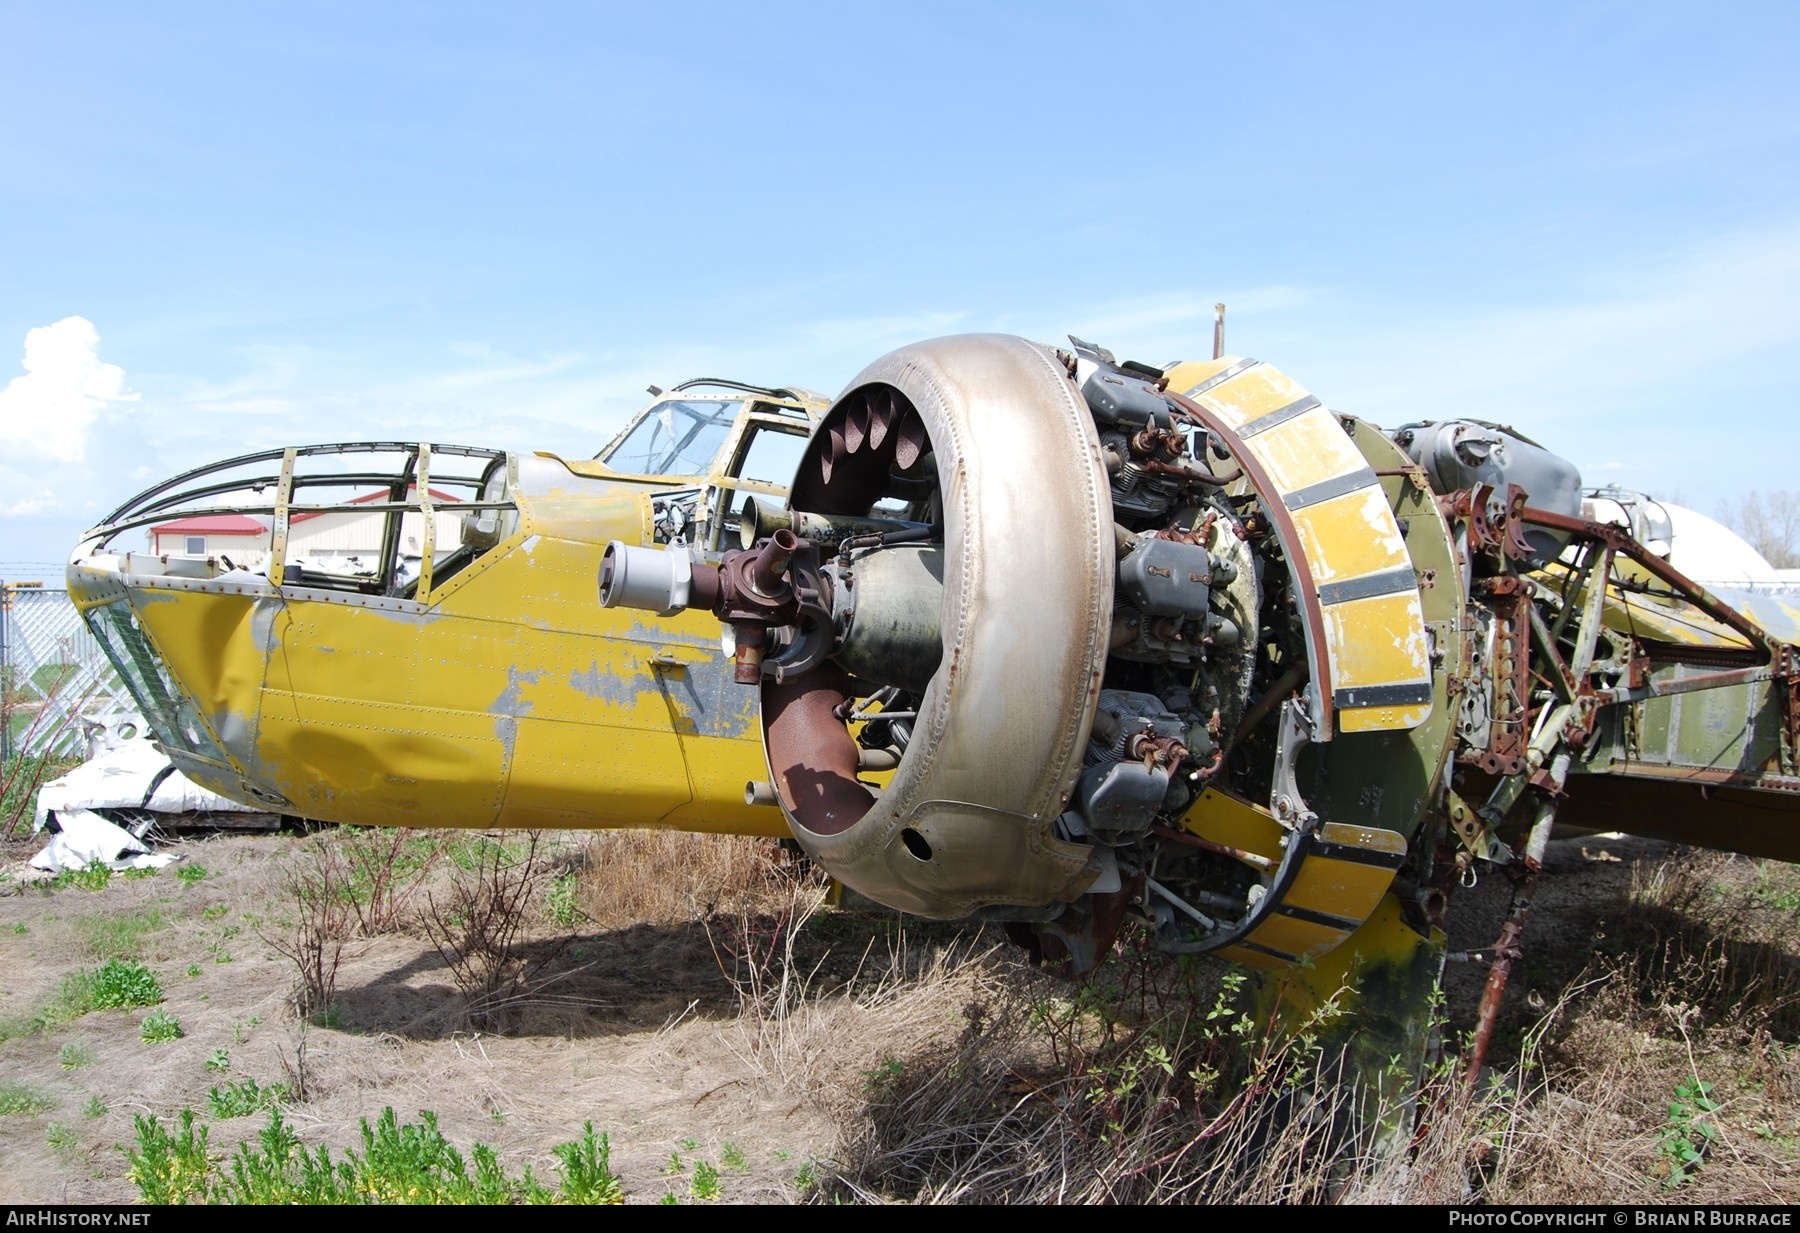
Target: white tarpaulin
{"type": "Point", "coordinates": [126, 778]}
{"type": "Point", "coordinates": [81, 838]}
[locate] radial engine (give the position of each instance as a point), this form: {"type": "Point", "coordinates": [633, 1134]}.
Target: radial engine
{"type": "Point", "coordinates": [1054, 639]}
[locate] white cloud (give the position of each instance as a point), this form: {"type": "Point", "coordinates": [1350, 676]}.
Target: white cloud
{"type": "Point", "coordinates": [48, 411]}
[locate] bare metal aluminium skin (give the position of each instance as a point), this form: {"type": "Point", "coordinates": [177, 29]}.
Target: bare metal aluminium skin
{"type": "Point", "coordinates": [1032, 634]}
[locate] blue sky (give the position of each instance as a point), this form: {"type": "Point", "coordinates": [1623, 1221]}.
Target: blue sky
{"type": "Point", "coordinates": [496, 224]}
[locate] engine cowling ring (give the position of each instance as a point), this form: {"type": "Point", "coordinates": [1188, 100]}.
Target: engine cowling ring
{"type": "Point", "coordinates": [965, 823]}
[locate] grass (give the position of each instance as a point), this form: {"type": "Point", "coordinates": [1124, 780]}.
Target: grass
{"type": "Point", "coordinates": [119, 935]}
{"type": "Point", "coordinates": [657, 877]}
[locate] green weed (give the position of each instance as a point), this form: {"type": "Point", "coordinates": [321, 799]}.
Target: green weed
{"type": "Point", "coordinates": [1687, 1135]}
{"type": "Point", "coordinates": [563, 902]}
{"type": "Point", "coordinates": [61, 1138]}
{"type": "Point", "coordinates": [23, 1098]}
{"type": "Point", "coordinates": [242, 1097]}
{"type": "Point", "coordinates": [190, 874]}
{"type": "Point", "coordinates": [410, 1163]}
{"type": "Point", "coordinates": [117, 984]}
{"type": "Point", "coordinates": [219, 1060]}
{"type": "Point", "coordinates": [704, 1184]}
{"type": "Point", "coordinates": [92, 877]}
{"type": "Point", "coordinates": [159, 1028]}
{"type": "Point", "coordinates": [75, 1055]}
{"type": "Point", "coordinates": [585, 1169]}
{"type": "Point", "coordinates": [732, 1157]}
{"type": "Point", "coordinates": [1776, 888]}
{"type": "Point", "coordinates": [94, 1108]}
{"type": "Point", "coordinates": [170, 1168]}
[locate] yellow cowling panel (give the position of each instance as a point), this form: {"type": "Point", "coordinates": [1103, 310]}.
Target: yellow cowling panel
{"type": "Point", "coordinates": [1355, 557]}
{"type": "Point", "coordinates": [1292, 936]}
{"type": "Point", "coordinates": [1388, 637]}
{"type": "Point", "coordinates": [1347, 536]}
{"type": "Point", "coordinates": [1236, 823]}
{"type": "Point", "coordinates": [1306, 450]}
{"type": "Point", "coordinates": [1339, 888]}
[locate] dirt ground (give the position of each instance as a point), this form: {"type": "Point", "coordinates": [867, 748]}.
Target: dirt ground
{"type": "Point", "coordinates": [641, 1036]}
{"type": "Point", "coordinates": [636, 1027]}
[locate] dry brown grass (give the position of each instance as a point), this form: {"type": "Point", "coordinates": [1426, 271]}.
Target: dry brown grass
{"type": "Point", "coordinates": [657, 877]}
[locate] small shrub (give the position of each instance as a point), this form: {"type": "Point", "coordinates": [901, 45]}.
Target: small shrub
{"type": "Point", "coordinates": [477, 927]}
{"type": "Point", "coordinates": [23, 1098]}
{"type": "Point", "coordinates": [159, 1028]}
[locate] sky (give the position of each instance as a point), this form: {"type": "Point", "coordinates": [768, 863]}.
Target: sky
{"type": "Point", "coordinates": [232, 227]}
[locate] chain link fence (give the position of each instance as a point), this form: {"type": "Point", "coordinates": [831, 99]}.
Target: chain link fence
{"type": "Point", "coordinates": [60, 693]}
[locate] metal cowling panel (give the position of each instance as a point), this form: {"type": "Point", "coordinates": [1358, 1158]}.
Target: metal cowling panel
{"type": "Point", "coordinates": [1343, 542]}
{"type": "Point", "coordinates": [1026, 614]}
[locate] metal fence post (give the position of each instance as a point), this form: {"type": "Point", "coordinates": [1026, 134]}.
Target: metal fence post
{"type": "Point", "coordinates": [5, 673]}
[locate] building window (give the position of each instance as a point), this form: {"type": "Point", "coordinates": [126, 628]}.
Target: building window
{"type": "Point", "coordinates": [196, 545]}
